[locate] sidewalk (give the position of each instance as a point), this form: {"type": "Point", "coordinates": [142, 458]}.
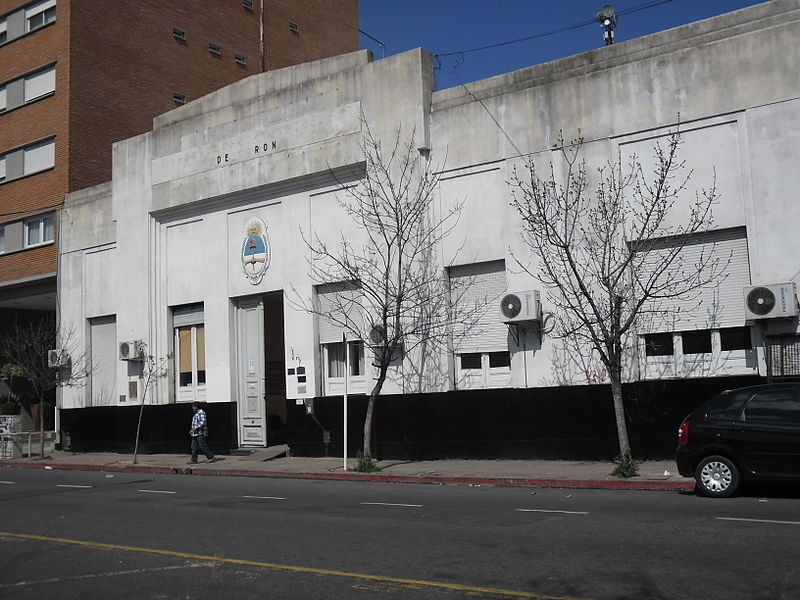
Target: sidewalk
{"type": "Point", "coordinates": [272, 462]}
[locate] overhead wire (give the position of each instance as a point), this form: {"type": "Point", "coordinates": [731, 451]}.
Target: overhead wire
{"type": "Point", "coordinates": [627, 11]}
{"type": "Point", "coordinates": [460, 54]}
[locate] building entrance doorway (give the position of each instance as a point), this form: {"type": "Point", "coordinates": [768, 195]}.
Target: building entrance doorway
{"type": "Point", "coordinates": [261, 386]}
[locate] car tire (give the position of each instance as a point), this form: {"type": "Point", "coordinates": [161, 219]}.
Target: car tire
{"type": "Point", "coordinates": [717, 477]}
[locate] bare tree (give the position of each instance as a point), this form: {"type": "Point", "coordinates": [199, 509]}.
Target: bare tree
{"type": "Point", "coordinates": [393, 289]}
{"type": "Point", "coordinates": [153, 368]}
{"type": "Point", "coordinates": [25, 348]}
{"type": "Point", "coordinates": [610, 254]}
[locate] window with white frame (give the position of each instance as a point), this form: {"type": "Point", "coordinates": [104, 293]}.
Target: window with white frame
{"type": "Point", "coordinates": [39, 157]}
{"type": "Point", "coordinates": [336, 361]}
{"type": "Point", "coordinates": [40, 14]}
{"type": "Point", "coordinates": [3, 101]}
{"type": "Point", "coordinates": [190, 352]}
{"type": "Point", "coordinates": [3, 31]}
{"type": "Point", "coordinates": [39, 84]}
{"type": "Point", "coordinates": [338, 305]}
{"type": "Point", "coordinates": [2, 168]}
{"type": "Point", "coordinates": [482, 356]}
{"type": "Point", "coordinates": [39, 230]}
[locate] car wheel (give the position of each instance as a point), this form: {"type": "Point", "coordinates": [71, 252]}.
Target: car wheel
{"type": "Point", "coordinates": [717, 477]}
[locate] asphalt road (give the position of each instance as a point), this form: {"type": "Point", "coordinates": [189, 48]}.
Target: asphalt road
{"type": "Point", "coordinates": [93, 535]}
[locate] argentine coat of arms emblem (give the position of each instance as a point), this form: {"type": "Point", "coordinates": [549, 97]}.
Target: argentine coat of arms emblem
{"type": "Point", "coordinates": [255, 251]}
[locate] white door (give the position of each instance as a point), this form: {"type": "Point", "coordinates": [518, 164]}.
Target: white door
{"type": "Point", "coordinates": [250, 351]}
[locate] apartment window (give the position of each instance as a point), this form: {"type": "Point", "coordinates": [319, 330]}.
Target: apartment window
{"type": "Point", "coordinates": [697, 342]}
{"type": "Point", "coordinates": [40, 84]}
{"type": "Point", "coordinates": [190, 352]}
{"type": "Point", "coordinates": [658, 344]}
{"type": "Point", "coordinates": [191, 355]}
{"type": "Point", "coordinates": [3, 98]}
{"type": "Point", "coordinates": [248, 4]}
{"type": "Point", "coordinates": [215, 48]}
{"type": "Point", "coordinates": [2, 168]}
{"type": "Point", "coordinates": [735, 338]}
{"type": "Point", "coordinates": [179, 98]}
{"type": "Point", "coordinates": [39, 157]}
{"type": "Point", "coordinates": [240, 59]}
{"type": "Point", "coordinates": [293, 27]}
{"type": "Point", "coordinates": [38, 230]}
{"type": "Point", "coordinates": [40, 14]}
{"type": "Point", "coordinates": [3, 31]}
{"type": "Point", "coordinates": [499, 359]}
{"type": "Point", "coordinates": [179, 34]}
{"type": "Point", "coordinates": [2, 239]}
{"type": "Point", "coordinates": [471, 360]}
{"type": "Point", "coordinates": [336, 360]}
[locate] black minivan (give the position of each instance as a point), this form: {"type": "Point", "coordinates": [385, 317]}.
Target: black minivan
{"type": "Point", "coordinates": [746, 435]}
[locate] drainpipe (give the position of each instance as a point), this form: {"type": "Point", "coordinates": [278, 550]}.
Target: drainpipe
{"type": "Point", "coordinates": [262, 41]}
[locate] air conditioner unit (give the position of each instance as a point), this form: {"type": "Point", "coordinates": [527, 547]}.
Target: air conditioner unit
{"type": "Point", "coordinates": [58, 358]}
{"type": "Point", "coordinates": [520, 306]}
{"type": "Point", "coordinates": [770, 301]}
{"type": "Point", "coordinates": [379, 336]}
{"type": "Point", "coordinates": [131, 350]}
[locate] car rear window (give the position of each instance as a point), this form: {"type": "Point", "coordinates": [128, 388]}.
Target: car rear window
{"type": "Point", "coordinates": [727, 406]}
{"type": "Point", "coordinates": [779, 405]}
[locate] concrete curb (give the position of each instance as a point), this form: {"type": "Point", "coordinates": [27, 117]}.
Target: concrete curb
{"type": "Point", "coordinates": [621, 484]}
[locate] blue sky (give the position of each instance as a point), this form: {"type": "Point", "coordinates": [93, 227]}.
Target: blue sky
{"type": "Point", "coordinates": [445, 26]}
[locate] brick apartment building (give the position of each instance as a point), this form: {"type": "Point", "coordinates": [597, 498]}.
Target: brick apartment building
{"type": "Point", "coordinates": [78, 75]}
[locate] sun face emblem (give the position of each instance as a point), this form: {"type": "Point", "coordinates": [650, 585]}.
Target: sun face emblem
{"type": "Point", "coordinates": [255, 251]}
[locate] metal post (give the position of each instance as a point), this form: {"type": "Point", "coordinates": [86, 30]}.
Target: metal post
{"type": "Point", "coordinates": [346, 375]}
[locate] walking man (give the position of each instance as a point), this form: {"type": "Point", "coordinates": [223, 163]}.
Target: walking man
{"type": "Point", "coordinates": [199, 433]}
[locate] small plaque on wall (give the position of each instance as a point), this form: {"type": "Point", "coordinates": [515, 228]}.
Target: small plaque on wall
{"type": "Point", "coordinates": [133, 389]}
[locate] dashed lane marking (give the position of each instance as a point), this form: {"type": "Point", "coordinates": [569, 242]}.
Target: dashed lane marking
{"type": "Point", "coordinates": [156, 492]}
{"type": "Point", "coordinates": [758, 521]}
{"type": "Point", "coordinates": [68, 485]}
{"type": "Point", "coordinates": [100, 575]}
{"type": "Point", "coordinates": [391, 504]}
{"type": "Point", "coordinates": [562, 512]}
{"type": "Point", "coordinates": [470, 589]}
{"type": "Point", "coordinates": [8, 482]}
{"type": "Point", "coordinates": [265, 497]}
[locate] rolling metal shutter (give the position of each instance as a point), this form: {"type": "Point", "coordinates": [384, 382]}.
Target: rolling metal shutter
{"type": "Point", "coordinates": [103, 372]}
{"type": "Point", "coordinates": [340, 300]}
{"type": "Point", "coordinates": [722, 305]}
{"type": "Point", "coordinates": [480, 287]}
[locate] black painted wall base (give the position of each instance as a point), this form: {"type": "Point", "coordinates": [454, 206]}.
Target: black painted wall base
{"type": "Point", "coordinates": [164, 429]}
{"type": "Point", "coordinates": [566, 423]}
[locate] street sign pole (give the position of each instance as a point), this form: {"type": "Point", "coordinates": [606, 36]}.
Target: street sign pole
{"type": "Point", "coordinates": [346, 374]}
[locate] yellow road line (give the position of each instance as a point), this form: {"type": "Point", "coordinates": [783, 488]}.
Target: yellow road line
{"type": "Point", "coordinates": [296, 569]}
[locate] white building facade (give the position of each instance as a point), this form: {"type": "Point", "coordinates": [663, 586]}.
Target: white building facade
{"type": "Point", "coordinates": [195, 252]}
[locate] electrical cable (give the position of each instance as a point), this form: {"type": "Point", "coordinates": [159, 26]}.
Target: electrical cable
{"type": "Point", "coordinates": [627, 11]}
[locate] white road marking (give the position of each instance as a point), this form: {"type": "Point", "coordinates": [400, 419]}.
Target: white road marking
{"type": "Point", "coordinates": [156, 492]}
{"type": "Point", "coordinates": [265, 497]}
{"type": "Point", "coordinates": [8, 482]}
{"type": "Point", "coordinates": [759, 521]}
{"type": "Point", "coordinates": [67, 485]}
{"type": "Point", "coordinates": [563, 512]}
{"type": "Point", "coordinates": [392, 504]}
{"type": "Point", "coordinates": [107, 574]}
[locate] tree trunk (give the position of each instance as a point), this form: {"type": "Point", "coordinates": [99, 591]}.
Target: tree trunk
{"type": "Point", "coordinates": [41, 429]}
{"type": "Point", "coordinates": [373, 397]}
{"type": "Point", "coordinates": [619, 413]}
